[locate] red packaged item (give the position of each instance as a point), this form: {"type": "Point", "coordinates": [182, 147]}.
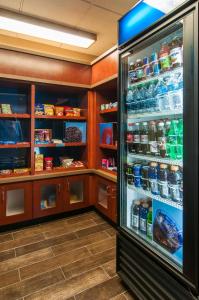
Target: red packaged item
{"type": "Point", "coordinates": [48, 163]}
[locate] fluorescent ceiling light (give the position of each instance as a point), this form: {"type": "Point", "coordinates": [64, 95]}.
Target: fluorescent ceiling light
{"type": "Point", "coordinates": [45, 30]}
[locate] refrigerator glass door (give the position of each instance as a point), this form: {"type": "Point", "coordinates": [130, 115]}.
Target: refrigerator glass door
{"type": "Point", "coordinates": [152, 158]}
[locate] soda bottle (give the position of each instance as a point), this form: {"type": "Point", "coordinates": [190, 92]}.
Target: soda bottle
{"type": "Point", "coordinates": [176, 52]}
{"type": "Point", "coordinates": [153, 178]}
{"type": "Point", "coordinates": [137, 175]}
{"type": "Point", "coordinates": [161, 138]}
{"type": "Point", "coordinates": [143, 217]}
{"type": "Point", "coordinates": [180, 140]}
{"type": "Point", "coordinates": [132, 73]}
{"type": "Point", "coordinates": [175, 180]}
{"type": "Point", "coordinates": [164, 57]}
{"type": "Point", "coordinates": [163, 181]}
{"type": "Point", "coordinates": [136, 137]}
{"type": "Point", "coordinates": [135, 214]}
{"type": "Point", "coordinates": [144, 138]}
{"type": "Point", "coordinates": [153, 146]}
{"type": "Point", "coordinates": [150, 224]}
{"type": "Point", "coordinates": [145, 177]}
{"type": "Point", "coordinates": [167, 128]}
{"type": "Point", "coordinates": [173, 139]}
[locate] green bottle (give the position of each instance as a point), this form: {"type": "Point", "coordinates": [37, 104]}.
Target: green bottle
{"type": "Point", "coordinates": [149, 224]}
{"type": "Point", "coordinates": [180, 140]}
{"type": "Point", "coordinates": [173, 139]}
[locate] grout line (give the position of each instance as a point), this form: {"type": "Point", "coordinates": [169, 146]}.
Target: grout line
{"type": "Point", "coordinates": [62, 273]}
{"type": "Point", "coordinates": [89, 251]}
{"type": "Point", "coordinates": [19, 274]}
{"type": "Point", "coordinates": [105, 271]}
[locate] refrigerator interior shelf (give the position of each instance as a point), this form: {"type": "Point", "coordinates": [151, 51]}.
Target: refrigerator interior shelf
{"type": "Point", "coordinates": [176, 162]}
{"type": "Point", "coordinates": [156, 197]}
{"type": "Point", "coordinates": [147, 116]}
{"type": "Point", "coordinates": [153, 78]}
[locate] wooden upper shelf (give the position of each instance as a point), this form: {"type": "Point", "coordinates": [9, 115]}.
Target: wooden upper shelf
{"type": "Point", "coordinates": [15, 116]}
{"type": "Point", "coordinates": [107, 111]}
{"type": "Point", "coordinates": [60, 117]}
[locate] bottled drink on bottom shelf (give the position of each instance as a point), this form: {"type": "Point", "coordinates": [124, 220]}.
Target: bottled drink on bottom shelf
{"type": "Point", "coordinates": [150, 224]}
{"type": "Point", "coordinates": [153, 178]}
{"type": "Point", "coordinates": [144, 208]}
{"type": "Point", "coordinates": [175, 184]}
{"type": "Point", "coordinates": [135, 214]}
{"type": "Point", "coordinates": [163, 181]}
{"type": "Point", "coordinates": [137, 175]}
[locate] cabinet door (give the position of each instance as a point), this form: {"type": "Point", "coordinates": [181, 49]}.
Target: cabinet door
{"type": "Point", "coordinates": [16, 202]}
{"type": "Point", "coordinates": [47, 195]}
{"type": "Point", "coordinates": [106, 198]}
{"type": "Point", "coordinates": [76, 192]}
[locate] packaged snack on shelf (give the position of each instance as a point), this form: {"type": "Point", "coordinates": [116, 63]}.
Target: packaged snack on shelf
{"type": "Point", "coordinates": [65, 161]}
{"type": "Point", "coordinates": [43, 136]}
{"type": "Point", "coordinates": [21, 171]}
{"type": "Point", "coordinates": [77, 164]}
{"type": "Point", "coordinates": [5, 172]}
{"type": "Point", "coordinates": [59, 111]}
{"type": "Point", "coordinates": [48, 163]}
{"type": "Point", "coordinates": [39, 162]}
{"type": "Point", "coordinates": [75, 132]}
{"type": "Point", "coordinates": [105, 163]}
{"type": "Point", "coordinates": [6, 109]}
{"type": "Point", "coordinates": [39, 109]}
{"type": "Point", "coordinates": [49, 109]}
{"type": "Point", "coordinates": [72, 111]}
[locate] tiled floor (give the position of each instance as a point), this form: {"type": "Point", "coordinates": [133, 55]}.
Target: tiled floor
{"type": "Point", "coordinates": [72, 258]}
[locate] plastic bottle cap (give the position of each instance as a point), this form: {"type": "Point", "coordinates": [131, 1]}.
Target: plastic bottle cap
{"type": "Point", "coordinates": [174, 168]}
{"type": "Point", "coordinates": [163, 166]}
{"type": "Point", "coordinates": [153, 164]}
{"type": "Point", "coordinates": [145, 205]}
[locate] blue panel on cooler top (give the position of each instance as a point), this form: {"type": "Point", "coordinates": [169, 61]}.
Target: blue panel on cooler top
{"type": "Point", "coordinates": [142, 15]}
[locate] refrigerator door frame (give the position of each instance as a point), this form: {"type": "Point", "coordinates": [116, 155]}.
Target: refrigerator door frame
{"type": "Point", "coordinates": [190, 274]}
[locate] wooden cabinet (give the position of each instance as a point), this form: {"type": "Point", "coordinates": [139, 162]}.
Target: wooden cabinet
{"type": "Point", "coordinates": [75, 193]}
{"type": "Point", "coordinates": [106, 197]}
{"type": "Point", "coordinates": [47, 197]}
{"type": "Point", "coordinates": [15, 202]}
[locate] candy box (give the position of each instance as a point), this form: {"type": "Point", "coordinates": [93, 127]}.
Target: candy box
{"type": "Point", "coordinates": [39, 162]}
{"type": "Point", "coordinates": [49, 109]}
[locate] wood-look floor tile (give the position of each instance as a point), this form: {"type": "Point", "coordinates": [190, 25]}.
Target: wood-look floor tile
{"type": "Point", "coordinates": [27, 232]}
{"type": "Point", "coordinates": [9, 278]}
{"type": "Point", "coordinates": [110, 268]}
{"type": "Point", "coordinates": [21, 261]}
{"type": "Point", "coordinates": [45, 244]}
{"type": "Point", "coordinates": [102, 245]}
{"type": "Point", "coordinates": [67, 228]}
{"type": "Point", "coordinates": [68, 288]}
{"type": "Point", "coordinates": [88, 263]}
{"type": "Point", "coordinates": [79, 218]}
{"type": "Point", "coordinates": [34, 284]}
{"type": "Point", "coordinates": [21, 242]}
{"type": "Point", "coordinates": [99, 221]}
{"type": "Point", "coordinates": [6, 237]}
{"type": "Point", "coordinates": [93, 229]}
{"type": "Point", "coordinates": [111, 231]}
{"type": "Point", "coordinates": [104, 291]}
{"type": "Point", "coordinates": [4, 255]}
{"type": "Point", "coordinates": [129, 296]}
{"type": "Point", "coordinates": [54, 262]}
{"type": "Point", "coordinates": [119, 297]}
{"type": "Point", "coordinates": [80, 242]}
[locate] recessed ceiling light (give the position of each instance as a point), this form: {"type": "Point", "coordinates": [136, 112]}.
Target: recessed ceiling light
{"type": "Point", "coordinates": [38, 28]}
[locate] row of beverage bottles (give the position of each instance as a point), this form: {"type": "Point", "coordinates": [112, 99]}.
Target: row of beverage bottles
{"type": "Point", "coordinates": [169, 57]}
{"type": "Point", "coordinates": [141, 216]}
{"type": "Point", "coordinates": [162, 94]}
{"type": "Point", "coordinates": [161, 180]}
{"type": "Point", "coordinates": [159, 138]}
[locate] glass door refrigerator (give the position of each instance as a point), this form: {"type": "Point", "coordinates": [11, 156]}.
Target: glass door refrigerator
{"type": "Point", "coordinates": [157, 243]}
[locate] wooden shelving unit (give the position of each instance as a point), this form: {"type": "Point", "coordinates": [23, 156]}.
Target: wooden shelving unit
{"type": "Point", "coordinates": [15, 116]}
{"type": "Point", "coordinates": [60, 145]}
{"type": "Point", "coordinates": [109, 111]}
{"type": "Point", "coordinates": [9, 146]}
{"type": "Point", "coordinates": [81, 118]}
{"type": "Point", "coordinates": [111, 147]}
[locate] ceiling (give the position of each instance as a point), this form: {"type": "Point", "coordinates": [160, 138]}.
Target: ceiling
{"type": "Point", "coordinates": [98, 16]}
